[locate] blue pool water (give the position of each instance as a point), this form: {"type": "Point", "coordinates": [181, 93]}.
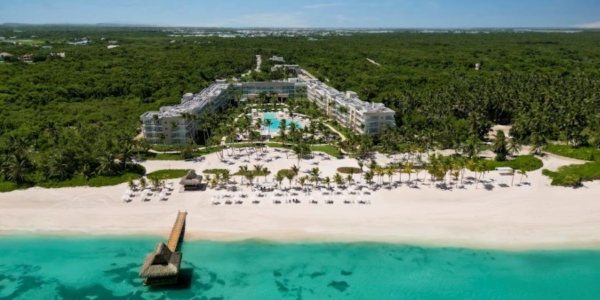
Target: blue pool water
{"type": "Point", "coordinates": [69, 268]}
{"type": "Point", "coordinates": [275, 125]}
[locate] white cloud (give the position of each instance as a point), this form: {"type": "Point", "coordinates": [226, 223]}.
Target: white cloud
{"type": "Point", "coordinates": [324, 5]}
{"type": "Point", "coordinates": [589, 25]}
{"type": "Point", "coordinates": [265, 20]}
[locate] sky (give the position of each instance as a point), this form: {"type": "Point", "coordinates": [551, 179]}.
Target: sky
{"type": "Point", "coordinates": [309, 13]}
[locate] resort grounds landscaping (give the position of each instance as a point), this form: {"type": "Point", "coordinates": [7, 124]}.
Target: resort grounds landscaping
{"type": "Point", "coordinates": [168, 174]}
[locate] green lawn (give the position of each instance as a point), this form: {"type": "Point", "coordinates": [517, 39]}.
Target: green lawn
{"type": "Point", "coordinates": [333, 151]}
{"type": "Point", "coordinates": [526, 162]}
{"type": "Point", "coordinates": [7, 186]}
{"type": "Point", "coordinates": [177, 156]}
{"type": "Point", "coordinates": [574, 174]}
{"type": "Point", "coordinates": [582, 153]}
{"type": "Point", "coordinates": [168, 174]}
{"type": "Point", "coordinates": [98, 181]}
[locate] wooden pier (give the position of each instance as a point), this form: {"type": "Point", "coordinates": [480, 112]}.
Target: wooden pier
{"type": "Point", "coordinates": [177, 231]}
{"type": "Point", "coordinates": [162, 266]}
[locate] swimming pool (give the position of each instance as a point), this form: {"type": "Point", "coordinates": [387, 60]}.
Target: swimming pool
{"type": "Point", "coordinates": [275, 125]}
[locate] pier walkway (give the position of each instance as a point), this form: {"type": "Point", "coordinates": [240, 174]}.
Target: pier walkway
{"type": "Point", "coordinates": [177, 231]}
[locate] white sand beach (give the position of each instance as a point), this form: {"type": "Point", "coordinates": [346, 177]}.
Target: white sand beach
{"type": "Point", "coordinates": [531, 216]}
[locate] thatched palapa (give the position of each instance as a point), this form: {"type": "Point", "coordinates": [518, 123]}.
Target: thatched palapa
{"type": "Point", "coordinates": [191, 180]}
{"type": "Point", "coordinates": [161, 266]}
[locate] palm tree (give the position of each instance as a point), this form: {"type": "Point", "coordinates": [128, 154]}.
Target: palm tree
{"type": "Point", "coordinates": [59, 166]}
{"type": "Point", "coordinates": [337, 178]}
{"type": "Point", "coordinates": [512, 173]}
{"type": "Point", "coordinates": [514, 146]}
{"type": "Point", "coordinates": [52, 131]}
{"type": "Point", "coordinates": [174, 125]}
{"type": "Point", "coordinates": [295, 170]}
{"type": "Point", "coordinates": [408, 168]}
{"type": "Point", "coordinates": [106, 164]}
{"type": "Point", "coordinates": [293, 129]}
{"type": "Point", "coordinates": [265, 172]}
{"type": "Point", "coordinates": [17, 168]}
{"type": "Point", "coordinates": [315, 173]}
{"type": "Point", "coordinates": [250, 177]}
{"type": "Point", "coordinates": [373, 164]}
{"type": "Point", "coordinates": [379, 171]}
{"type": "Point", "coordinates": [522, 173]}
{"type": "Point", "coordinates": [290, 176]}
{"type": "Point", "coordinates": [243, 170]}
{"type": "Point", "coordinates": [389, 171]}
{"type": "Point", "coordinates": [282, 129]}
{"type": "Point", "coordinates": [538, 141]}
{"type": "Point", "coordinates": [131, 184]}
{"type": "Point", "coordinates": [369, 175]}
{"type": "Point", "coordinates": [349, 179]}
{"type": "Point", "coordinates": [126, 149]}
{"type": "Point", "coordinates": [327, 181]}
{"type": "Point", "coordinates": [472, 147]}
{"type": "Point", "coordinates": [225, 176]}
{"type": "Point", "coordinates": [214, 182]}
{"type": "Point", "coordinates": [268, 123]}
{"type": "Point", "coordinates": [279, 178]}
{"type": "Point", "coordinates": [155, 181]}
{"type": "Point", "coordinates": [162, 137]}
{"type": "Point", "coordinates": [302, 180]}
{"type": "Point", "coordinates": [479, 168]}
{"type": "Point", "coordinates": [500, 146]}
{"type": "Point", "coordinates": [143, 183]}
{"type": "Point", "coordinates": [300, 150]}
{"type": "Point", "coordinates": [361, 164]}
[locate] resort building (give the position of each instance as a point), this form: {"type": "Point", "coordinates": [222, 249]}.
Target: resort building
{"type": "Point", "coordinates": [3, 55]}
{"type": "Point", "coordinates": [27, 58]}
{"type": "Point", "coordinates": [176, 124]}
{"type": "Point", "coordinates": [348, 110]}
{"type": "Point", "coordinates": [277, 58]}
{"type": "Point", "coordinates": [168, 125]}
{"type": "Point", "coordinates": [288, 68]}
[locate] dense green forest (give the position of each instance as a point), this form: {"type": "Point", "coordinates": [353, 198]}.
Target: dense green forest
{"type": "Point", "coordinates": [545, 84]}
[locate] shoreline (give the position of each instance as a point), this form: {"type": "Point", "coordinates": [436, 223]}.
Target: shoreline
{"type": "Point", "coordinates": [308, 238]}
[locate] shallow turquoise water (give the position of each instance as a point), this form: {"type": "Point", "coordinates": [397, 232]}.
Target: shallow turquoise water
{"type": "Point", "coordinates": [275, 122]}
{"type": "Point", "coordinates": [50, 268]}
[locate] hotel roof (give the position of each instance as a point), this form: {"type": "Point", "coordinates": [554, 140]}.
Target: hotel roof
{"type": "Point", "coordinates": [347, 99]}
{"type": "Point", "coordinates": [190, 102]}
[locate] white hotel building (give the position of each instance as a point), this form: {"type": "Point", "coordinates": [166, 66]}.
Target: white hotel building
{"type": "Point", "coordinates": [349, 111]}
{"type": "Point", "coordinates": [161, 123]}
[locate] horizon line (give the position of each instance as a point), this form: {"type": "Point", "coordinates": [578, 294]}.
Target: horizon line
{"type": "Point", "coordinates": [109, 24]}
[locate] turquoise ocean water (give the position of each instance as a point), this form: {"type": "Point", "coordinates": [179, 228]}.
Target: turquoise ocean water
{"type": "Point", "coordinates": [60, 268]}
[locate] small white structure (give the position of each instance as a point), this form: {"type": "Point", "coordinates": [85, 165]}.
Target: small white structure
{"type": "Point", "coordinates": [112, 46]}
{"type": "Point", "coordinates": [254, 113]}
{"type": "Point", "coordinates": [477, 66]}
{"type": "Point", "coordinates": [277, 58]}
{"type": "Point", "coordinates": [58, 54]}
{"type": "Point", "coordinates": [505, 170]}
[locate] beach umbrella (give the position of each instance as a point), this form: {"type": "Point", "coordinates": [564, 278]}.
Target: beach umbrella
{"type": "Point", "coordinates": [125, 198]}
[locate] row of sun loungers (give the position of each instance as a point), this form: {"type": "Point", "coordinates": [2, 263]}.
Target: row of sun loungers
{"type": "Point", "coordinates": [290, 201]}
